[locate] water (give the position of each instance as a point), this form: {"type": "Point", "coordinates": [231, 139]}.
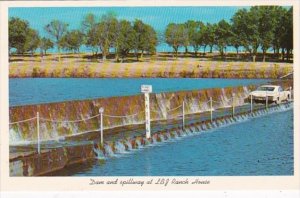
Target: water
{"type": "Point", "coordinates": [260, 146]}
{"type": "Point", "coordinates": [45, 90]}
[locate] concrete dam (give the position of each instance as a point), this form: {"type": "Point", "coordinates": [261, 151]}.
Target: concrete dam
{"type": "Point", "coordinates": [69, 131]}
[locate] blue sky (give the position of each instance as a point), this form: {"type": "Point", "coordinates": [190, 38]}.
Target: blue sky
{"type": "Point", "coordinates": [157, 17]}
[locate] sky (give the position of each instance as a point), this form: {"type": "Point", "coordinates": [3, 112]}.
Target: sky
{"type": "Point", "coordinates": [157, 17]}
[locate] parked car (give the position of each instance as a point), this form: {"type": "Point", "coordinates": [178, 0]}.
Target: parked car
{"type": "Point", "coordinates": [274, 93]}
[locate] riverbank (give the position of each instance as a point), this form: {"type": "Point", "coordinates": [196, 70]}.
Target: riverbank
{"type": "Point", "coordinates": [160, 65]}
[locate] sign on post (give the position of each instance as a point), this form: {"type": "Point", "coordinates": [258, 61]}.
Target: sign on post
{"type": "Point", "coordinates": [146, 89]}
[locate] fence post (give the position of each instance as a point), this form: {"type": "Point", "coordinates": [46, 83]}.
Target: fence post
{"type": "Point", "coordinates": [233, 110]}
{"type": "Point", "coordinates": [101, 110]}
{"type": "Point", "coordinates": [38, 131]}
{"type": "Point", "coordinates": [251, 103]}
{"type": "Point", "coordinates": [183, 116]}
{"type": "Point", "coordinates": [211, 110]}
{"type": "Point", "coordinates": [267, 101]}
{"type": "Point", "coordinates": [146, 89]}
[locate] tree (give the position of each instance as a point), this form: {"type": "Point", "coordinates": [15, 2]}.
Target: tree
{"type": "Point", "coordinates": [280, 21]}
{"type": "Point", "coordinates": [89, 26]}
{"type": "Point", "coordinates": [287, 41]}
{"type": "Point", "coordinates": [57, 29]}
{"type": "Point", "coordinates": [235, 39]}
{"type": "Point", "coordinates": [105, 33]}
{"type": "Point", "coordinates": [145, 38]}
{"type": "Point", "coordinates": [45, 44]}
{"type": "Point", "coordinates": [194, 35]}
{"type": "Point", "coordinates": [209, 36]}
{"type": "Point", "coordinates": [246, 28]}
{"type": "Point", "coordinates": [222, 35]}
{"type": "Point", "coordinates": [174, 35]}
{"type": "Point", "coordinates": [188, 32]}
{"type": "Point", "coordinates": [266, 27]}
{"type": "Point", "coordinates": [22, 37]}
{"type": "Point", "coordinates": [32, 41]}
{"type": "Point", "coordinates": [72, 40]}
{"type": "Point", "coordinates": [125, 39]}
{"type": "Point", "coordinates": [18, 29]}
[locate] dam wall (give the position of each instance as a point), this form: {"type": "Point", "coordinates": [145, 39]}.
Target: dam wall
{"type": "Point", "coordinates": [58, 120]}
{"type": "Point", "coordinates": [70, 118]}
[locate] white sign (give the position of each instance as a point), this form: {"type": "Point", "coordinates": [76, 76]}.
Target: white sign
{"type": "Point", "coordinates": [146, 88]}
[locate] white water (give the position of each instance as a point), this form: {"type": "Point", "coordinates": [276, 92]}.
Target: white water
{"type": "Point", "coordinates": [193, 130]}
{"type": "Point", "coordinates": [120, 147]}
{"type": "Point", "coordinates": [99, 153]}
{"type": "Point", "coordinates": [164, 104]}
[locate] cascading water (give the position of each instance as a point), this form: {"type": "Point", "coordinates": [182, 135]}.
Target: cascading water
{"type": "Point", "coordinates": [162, 138]}
{"type": "Point", "coordinates": [120, 147]}
{"type": "Point", "coordinates": [14, 136]}
{"type": "Point", "coordinates": [128, 144]}
{"type": "Point", "coordinates": [108, 150]}
{"type": "Point", "coordinates": [195, 101]}
{"type": "Point", "coordinates": [99, 153]}
{"type": "Point", "coordinates": [138, 143]}
{"type": "Point", "coordinates": [168, 136]}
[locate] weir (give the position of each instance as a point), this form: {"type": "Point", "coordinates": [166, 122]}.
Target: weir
{"type": "Point", "coordinates": [64, 143]}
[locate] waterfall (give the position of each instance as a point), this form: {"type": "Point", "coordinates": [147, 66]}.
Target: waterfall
{"type": "Point", "coordinates": [224, 100]}
{"type": "Point", "coordinates": [162, 138]}
{"type": "Point", "coordinates": [138, 143]}
{"type": "Point", "coordinates": [163, 104]}
{"type": "Point", "coordinates": [175, 134]}
{"type": "Point", "coordinates": [54, 127]}
{"type": "Point", "coordinates": [99, 153]}
{"type": "Point", "coordinates": [108, 150]}
{"type": "Point", "coordinates": [128, 144]}
{"type": "Point", "coordinates": [214, 124]}
{"type": "Point", "coordinates": [120, 147]}
{"type": "Point", "coordinates": [147, 142]}
{"type": "Point", "coordinates": [14, 136]}
{"type": "Point", "coordinates": [169, 136]}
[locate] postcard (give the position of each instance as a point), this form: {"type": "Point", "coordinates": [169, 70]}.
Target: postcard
{"type": "Point", "coordinates": [149, 95]}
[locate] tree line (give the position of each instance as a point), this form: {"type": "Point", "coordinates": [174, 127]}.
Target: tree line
{"type": "Point", "coordinates": [106, 33]}
{"type": "Point", "coordinates": [264, 27]}
{"type": "Point", "coordinates": [258, 28]}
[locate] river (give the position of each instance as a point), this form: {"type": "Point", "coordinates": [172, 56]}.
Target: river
{"type": "Point", "coordinates": [25, 91]}
{"type": "Point", "coordinates": [257, 147]}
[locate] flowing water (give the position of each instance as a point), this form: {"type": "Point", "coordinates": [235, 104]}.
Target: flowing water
{"type": "Point", "coordinates": [24, 91]}
{"type": "Point", "coordinates": [246, 145]}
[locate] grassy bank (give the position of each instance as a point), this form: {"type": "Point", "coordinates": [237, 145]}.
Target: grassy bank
{"type": "Point", "coordinates": [160, 65]}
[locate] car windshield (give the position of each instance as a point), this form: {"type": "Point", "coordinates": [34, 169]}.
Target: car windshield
{"type": "Point", "coordinates": [265, 88]}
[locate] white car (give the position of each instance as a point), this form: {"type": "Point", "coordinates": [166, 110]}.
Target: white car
{"type": "Point", "coordinates": [274, 93]}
